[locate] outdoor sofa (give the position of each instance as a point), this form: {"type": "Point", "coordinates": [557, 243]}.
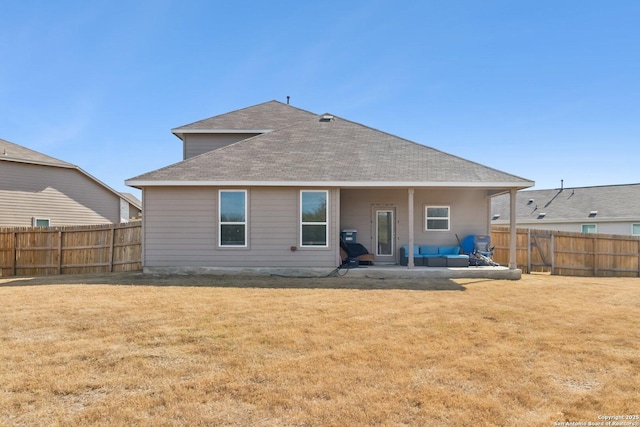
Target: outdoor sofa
{"type": "Point", "coordinates": [434, 256]}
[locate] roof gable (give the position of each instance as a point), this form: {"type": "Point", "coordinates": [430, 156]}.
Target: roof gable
{"type": "Point", "coordinates": [335, 150]}
{"type": "Point", "coordinates": [262, 117]}
{"type": "Point", "coordinates": [16, 153]}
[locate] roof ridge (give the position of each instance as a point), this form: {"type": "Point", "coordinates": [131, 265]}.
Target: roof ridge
{"type": "Point", "coordinates": [242, 109]}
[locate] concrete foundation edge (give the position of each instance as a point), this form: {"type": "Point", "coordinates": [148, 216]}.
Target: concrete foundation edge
{"type": "Point", "coordinates": [396, 272]}
{"type": "Point", "coordinates": [243, 271]}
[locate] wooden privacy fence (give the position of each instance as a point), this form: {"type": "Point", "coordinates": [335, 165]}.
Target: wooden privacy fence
{"type": "Point", "coordinates": [565, 253]}
{"type": "Point", "coordinates": [40, 251]}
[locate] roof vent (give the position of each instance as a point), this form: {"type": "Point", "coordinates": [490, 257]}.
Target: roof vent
{"type": "Point", "coordinates": [530, 201]}
{"type": "Point", "coordinates": [326, 118]}
{"type": "Point", "coordinates": [541, 215]}
{"type": "Point", "coordinates": [592, 214]}
{"type": "Point", "coordinates": [495, 216]}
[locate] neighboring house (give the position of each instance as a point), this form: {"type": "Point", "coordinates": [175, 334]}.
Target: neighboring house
{"type": "Point", "coordinates": [39, 190]}
{"type": "Point", "coordinates": [607, 209]}
{"type": "Point", "coordinates": [273, 186]}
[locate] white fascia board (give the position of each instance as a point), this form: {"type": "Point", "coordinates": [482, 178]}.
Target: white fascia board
{"type": "Point", "coordinates": [183, 131]}
{"type": "Point", "coordinates": [341, 184]}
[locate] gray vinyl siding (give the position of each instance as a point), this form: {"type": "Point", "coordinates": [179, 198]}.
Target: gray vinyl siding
{"type": "Point", "coordinates": [196, 144]}
{"type": "Point", "coordinates": [468, 209]}
{"type": "Point", "coordinates": [63, 195]}
{"type": "Point", "coordinates": [179, 237]}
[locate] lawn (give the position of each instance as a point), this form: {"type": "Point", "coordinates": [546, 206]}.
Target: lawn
{"type": "Point", "coordinates": [131, 349]}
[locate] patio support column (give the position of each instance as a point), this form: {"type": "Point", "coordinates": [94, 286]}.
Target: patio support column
{"type": "Point", "coordinates": [513, 232]}
{"type": "Point", "coordinates": [410, 263]}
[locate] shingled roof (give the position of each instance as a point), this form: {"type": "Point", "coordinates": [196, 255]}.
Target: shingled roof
{"type": "Point", "coordinates": [17, 153]}
{"type": "Point", "coordinates": [599, 203]}
{"type": "Point", "coordinates": [326, 150]}
{"type": "Point", "coordinates": [263, 117]}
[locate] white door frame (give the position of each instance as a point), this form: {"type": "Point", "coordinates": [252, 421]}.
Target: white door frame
{"type": "Point", "coordinates": [375, 210]}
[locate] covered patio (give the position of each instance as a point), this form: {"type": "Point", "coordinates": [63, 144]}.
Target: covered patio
{"type": "Point", "coordinates": [385, 219]}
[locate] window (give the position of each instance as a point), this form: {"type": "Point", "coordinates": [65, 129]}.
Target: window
{"type": "Point", "coordinates": [313, 218]}
{"type": "Point", "coordinates": [436, 218]}
{"type": "Point", "coordinates": [635, 229]}
{"type": "Point", "coordinates": [232, 208]}
{"type": "Point", "coordinates": [588, 228]}
{"type": "Point", "coordinates": [41, 222]}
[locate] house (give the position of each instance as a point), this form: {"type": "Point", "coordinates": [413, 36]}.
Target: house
{"type": "Point", "coordinates": [39, 190]}
{"type": "Point", "coordinates": [607, 209]}
{"type": "Point", "coordinates": [272, 186]}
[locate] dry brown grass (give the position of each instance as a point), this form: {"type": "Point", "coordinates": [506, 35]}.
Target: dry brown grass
{"type": "Point", "coordinates": [129, 349]}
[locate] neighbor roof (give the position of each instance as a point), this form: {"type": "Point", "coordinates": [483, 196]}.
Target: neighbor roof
{"type": "Point", "coordinates": [17, 153]}
{"type": "Point", "coordinates": [593, 204]}
{"type": "Point", "coordinates": [11, 152]}
{"type": "Point", "coordinates": [328, 151]}
{"type": "Point", "coordinates": [258, 118]}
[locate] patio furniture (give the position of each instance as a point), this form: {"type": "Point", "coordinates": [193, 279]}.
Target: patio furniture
{"type": "Point", "coordinates": [355, 250]}
{"type": "Point", "coordinates": [417, 257]}
{"type": "Point", "coordinates": [434, 256]}
{"type": "Point", "coordinates": [479, 250]}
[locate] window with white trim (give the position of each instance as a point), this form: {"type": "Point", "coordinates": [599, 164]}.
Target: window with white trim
{"type": "Point", "coordinates": [437, 218]}
{"type": "Point", "coordinates": [41, 222]}
{"type": "Point", "coordinates": [635, 229]}
{"type": "Point", "coordinates": [314, 225]}
{"type": "Point", "coordinates": [589, 228]}
{"type": "Point", "coordinates": [232, 218]}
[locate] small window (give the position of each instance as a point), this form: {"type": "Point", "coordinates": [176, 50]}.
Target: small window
{"type": "Point", "coordinates": [635, 229]}
{"type": "Point", "coordinates": [588, 228]}
{"type": "Point", "coordinates": [41, 222]}
{"type": "Point", "coordinates": [313, 218]}
{"type": "Point", "coordinates": [232, 218]}
{"type": "Point", "coordinates": [437, 218]}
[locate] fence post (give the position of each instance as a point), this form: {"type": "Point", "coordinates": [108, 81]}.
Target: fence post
{"type": "Point", "coordinates": [59, 252]}
{"type": "Point", "coordinates": [595, 256]}
{"type": "Point", "coordinates": [529, 250]}
{"type": "Point", "coordinates": [15, 253]}
{"type": "Point", "coordinates": [553, 253]}
{"type": "Point", "coordinates": [113, 239]}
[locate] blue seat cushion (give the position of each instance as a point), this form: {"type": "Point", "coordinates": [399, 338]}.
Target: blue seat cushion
{"type": "Point", "coordinates": [416, 250]}
{"type": "Point", "coordinates": [449, 250]}
{"type": "Point", "coordinates": [429, 250]}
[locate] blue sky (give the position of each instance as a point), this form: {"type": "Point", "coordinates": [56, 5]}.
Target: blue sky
{"type": "Point", "coordinates": [546, 90]}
